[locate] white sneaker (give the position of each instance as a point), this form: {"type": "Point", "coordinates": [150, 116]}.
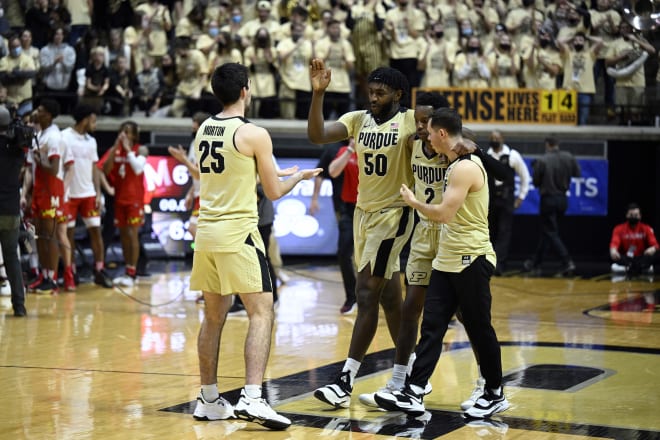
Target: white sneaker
{"type": "Point", "coordinates": [487, 405]}
{"type": "Point", "coordinates": [405, 400]}
{"type": "Point", "coordinates": [337, 394]}
{"type": "Point", "coordinates": [618, 268]}
{"type": "Point", "coordinates": [428, 389]}
{"type": "Point", "coordinates": [367, 399]}
{"type": "Point", "coordinates": [219, 409]}
{"type": "Point", "coordinates": [124, 281]}
{"type": "Point", "coordinates": [476, 393]}
{"type": "Point", "coordinates": [259, 411]}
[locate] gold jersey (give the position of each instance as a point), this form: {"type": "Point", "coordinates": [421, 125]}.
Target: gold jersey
{"type": "Point", "coordinates": [383, 157]}
{"type": "Point", "coordinates": [429, 173]}
{"type": "Point", "coordinates": [228, 182]}
{"type": "Point", "coordinates": [466, 237]}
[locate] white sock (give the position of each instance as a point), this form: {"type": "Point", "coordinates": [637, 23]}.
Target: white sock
{"type": "Point", "coordinates": [352, 366]}
{"type": "Point", "coordinates": [210, 392]}
{"type": "Point", "coordinates": [398, 380]}
{"type": "Point", "coordinates": [253, 391]}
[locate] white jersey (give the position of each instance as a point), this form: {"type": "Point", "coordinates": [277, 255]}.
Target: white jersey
{"type": "Point", "coordinates": [49, 142]}
{"type": "Point", "coordinates": [84, 150]}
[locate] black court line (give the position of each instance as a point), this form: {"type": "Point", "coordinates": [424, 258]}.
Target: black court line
{"type": "Point", "coordinates": [441, 422]}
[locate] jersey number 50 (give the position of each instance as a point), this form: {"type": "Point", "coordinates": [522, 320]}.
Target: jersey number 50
{"type": "Point", "coordinates": [217, 162]}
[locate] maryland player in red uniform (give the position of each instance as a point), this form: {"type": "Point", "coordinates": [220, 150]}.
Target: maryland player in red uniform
{"type": "Point", "coordinates": [46, 178]}
{"type": "Point", "coordinates": [124, 164]}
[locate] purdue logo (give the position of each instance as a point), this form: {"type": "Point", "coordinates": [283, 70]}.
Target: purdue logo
{"type": "Point", "coordinates": [417, 277]}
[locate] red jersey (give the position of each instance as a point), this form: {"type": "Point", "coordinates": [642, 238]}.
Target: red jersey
{"type": "Point", "coordinates": [350, 185]}
{"type": "Point", "coordinates": [129, 187]}
{"type": "Point", "coordinates": [638, 238]}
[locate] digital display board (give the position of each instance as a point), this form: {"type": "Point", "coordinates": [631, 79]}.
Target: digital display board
{"type": "Point", "coordinates": [298, 233]}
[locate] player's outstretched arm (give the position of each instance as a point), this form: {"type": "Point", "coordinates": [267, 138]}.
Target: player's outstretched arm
{"type": "Point", "coordinates": [318, 131]}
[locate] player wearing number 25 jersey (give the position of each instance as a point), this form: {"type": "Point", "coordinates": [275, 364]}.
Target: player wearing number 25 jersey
{"type": "Point", "coordinates": [224, 216]}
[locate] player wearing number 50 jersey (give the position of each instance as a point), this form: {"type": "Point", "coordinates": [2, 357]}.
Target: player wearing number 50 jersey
{"type": "Point", "coordinates": [230, 257]}
{"type": "Point", "coordinates": [382, 223]}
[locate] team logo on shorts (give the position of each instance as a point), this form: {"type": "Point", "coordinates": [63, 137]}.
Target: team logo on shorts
{"type": "Point", "coordinates": [417, 277]}
{"type": "Point", "coordinates": [466, 259]}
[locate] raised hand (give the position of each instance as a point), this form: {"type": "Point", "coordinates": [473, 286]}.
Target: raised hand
{"type": "Point", "coordinates": [319, 75]}
{"type": "Point", "coordinates": [178, 153]}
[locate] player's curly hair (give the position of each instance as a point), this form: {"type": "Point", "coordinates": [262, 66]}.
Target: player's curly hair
{"type": "Point", "coordinates": [433, 99]}
{"type": "Point", "coordinates": [392, 78]}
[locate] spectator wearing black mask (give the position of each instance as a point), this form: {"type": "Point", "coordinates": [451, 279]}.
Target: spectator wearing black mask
{"type": "Point", "coordinates": [11, 160]}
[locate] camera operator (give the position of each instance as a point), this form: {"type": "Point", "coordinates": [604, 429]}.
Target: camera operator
{"type": "Point", "coordinates": [12, 158]}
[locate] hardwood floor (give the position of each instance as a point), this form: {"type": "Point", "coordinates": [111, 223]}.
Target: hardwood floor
{"type": "Point", "coordinates": [581, 359]}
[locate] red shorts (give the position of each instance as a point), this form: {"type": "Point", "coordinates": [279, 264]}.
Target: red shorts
{"type": "Point", "coordinates": [86, 207]}
{"type": "Point", "coordinates": [48, 203]}
{"type": "Point", "coordinates": [129, 214]}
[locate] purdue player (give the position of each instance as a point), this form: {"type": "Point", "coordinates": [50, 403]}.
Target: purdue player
{"type": "Point", "coordinates": [461, 276]}
{"type": "Point", "coordinates": [230, 152]}
{"type": "Point", "coordinates": [382, 223]}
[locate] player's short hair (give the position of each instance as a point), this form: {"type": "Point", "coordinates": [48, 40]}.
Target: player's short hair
{"type": "Point", "coordinates": [227, 82]}
{"type": "Point", "coordinates": [82, 111]}
{"type": "Point", "coordinates": [448, 119]}
{"type": "Point", "coordinates": [434, 99]}
{"type": "Point", "coordinates": [51, 106]}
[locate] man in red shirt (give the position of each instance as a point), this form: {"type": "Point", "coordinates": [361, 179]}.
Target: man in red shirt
{"type": "Point", "coordinates": [124, 165]}
{"type": "Point", "coordinates": [633, 246]}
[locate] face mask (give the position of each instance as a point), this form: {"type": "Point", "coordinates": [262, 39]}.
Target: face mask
{"type": "Point", "coordinates": [494, 145]}
{"type": "Point", "coordinates": [236, 18]}
{"type": "Point", "coordinates": [632, 221]}
{"type": "Point", "coordinates": [505, 47]}
{"type": "Point", "coordinates": [545, 43]}
{"type": "Point", "coordinates": [467, 32]}
{"type": "Point", "coordinates": [578, 47]}
{"type": "Point", "coordinates": [574, 22]}
{"type": "Point", "coordinates": [527, 3]}
{"type": "Point", "coordinates": [214, 31]}
{"type": "Point", "coordinates": [16, 51]}
{"type": "Point", "coordinates": [473, 50]}
{"type": "Point", "coordinates": [439, 34]}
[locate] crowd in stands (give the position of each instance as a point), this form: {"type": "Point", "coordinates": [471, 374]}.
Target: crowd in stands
{"type": "Point", "coordinates": [157, 57]}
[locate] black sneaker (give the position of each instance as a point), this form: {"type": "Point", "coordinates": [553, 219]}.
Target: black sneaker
{"type": "Point", "coordinates": [338, 393]}
{"type": "Point", "coordinates": [47, 286]}
{"type": "Point", "coordinates": [488, 404]}
{"type": "Point", "coordinates": [237, 309]}
{"type": "Point", "coordinates": [405, 400]}
{"type": "Point", "coordinates": [101, 278]}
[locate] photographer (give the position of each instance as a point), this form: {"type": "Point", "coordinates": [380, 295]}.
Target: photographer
{"type": "Point", "coordinates": [12, 158]}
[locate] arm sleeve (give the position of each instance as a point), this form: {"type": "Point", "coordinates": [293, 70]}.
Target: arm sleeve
{"type": "Point", "coordinates": [521, 170]}
{"type": "Point", "coordinates": [136, 162]}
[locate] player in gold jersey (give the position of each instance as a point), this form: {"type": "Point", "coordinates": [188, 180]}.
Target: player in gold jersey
{"type": "Point", "coordinates": [460, 279]}
{"type": "Point", "coordinates": [229, 253]}
{"type": "Point", "coordinates": [382, 222]}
